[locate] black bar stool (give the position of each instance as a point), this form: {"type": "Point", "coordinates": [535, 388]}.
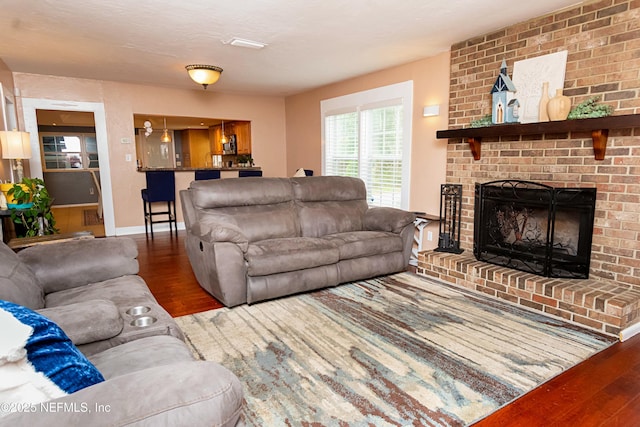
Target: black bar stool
{"type": "Point", "coordinates": [161, 187]}
{"type": "Point", "coordinates": [244, 173]}
{"type": "Point", "coordinates": [207, 174]}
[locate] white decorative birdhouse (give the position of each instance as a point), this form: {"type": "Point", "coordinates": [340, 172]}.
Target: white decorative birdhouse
{"type": "Point", "coordinates": [503, 92]}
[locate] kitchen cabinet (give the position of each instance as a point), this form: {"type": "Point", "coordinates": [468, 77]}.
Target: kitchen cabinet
{"type": "Point", "coordinates": [243, 135]}
{"type": "Point", "coordinates": [196, 148]}
{"type": "Point", "coordinates": [215, 136]}
{"type": "Point", "coordinates": [242, 130]}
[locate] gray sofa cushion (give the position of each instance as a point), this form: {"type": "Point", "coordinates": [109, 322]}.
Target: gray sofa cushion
{"type": "Point", "coordinates": [356, 244]}
{"type": "Point", "coordinates": [125, 292]}
{"type": "Point", "coordinates": [289, 254]}
{"type": "Point", "coordinates": [88, 321]}
{"type": "Point", "coordinates": [183, 394]}
{"type": "Point", "coordinates": [80, 262]}
{"type": "Point", "coordinates": [317, 219]}
{"type": "Point", "coordinates": [18, 283]}
{"type": "Point", "coordinates": [211, 194]}
{"type": "Point", "coordinates": [260, 288]}
{"type": "Point", "coordinates": [219, 227]}
{"type": "Point", "coordinates": [387, 219]}
{"type": "Point", "coordinates": [260, 222]}
{"type": "Point", "coordinates": [262, 209]}
{"type": "Point", "coordinates": [327, 188]}
{"type": "Point", "coordinates": [329, 204]}
{"type": "Point", "coordinates": [140, 354]}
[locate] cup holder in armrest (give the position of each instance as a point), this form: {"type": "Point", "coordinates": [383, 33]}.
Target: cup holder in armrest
{"type": "Point", "coordinates": [138, 310]}
{"type": "Point", "coordinates": [143, 321]}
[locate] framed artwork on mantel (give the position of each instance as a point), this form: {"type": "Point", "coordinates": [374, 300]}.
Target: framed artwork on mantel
{"type": "Point", "coordinates": [528, 78]}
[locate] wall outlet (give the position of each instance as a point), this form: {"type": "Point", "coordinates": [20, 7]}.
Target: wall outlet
{"type": "Point", "coordinates": [430, 236]}
{"type": "Point", "coordinates": [127, 157]}
{"type": "Point", "coordinates": [125, 140]}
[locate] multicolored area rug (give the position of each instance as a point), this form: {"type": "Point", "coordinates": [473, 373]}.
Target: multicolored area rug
{"type": "Point", "coordinates": [394, 351]}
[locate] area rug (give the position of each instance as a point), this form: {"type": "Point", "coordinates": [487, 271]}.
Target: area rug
{"type": "Point", "coordinates": [91, 217]}
{"type": "Point", "coordinates": [395, 351]}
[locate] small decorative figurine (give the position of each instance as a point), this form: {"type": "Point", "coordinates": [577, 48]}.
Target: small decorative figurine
{"type": "Point", "coordinates": [502, 94]}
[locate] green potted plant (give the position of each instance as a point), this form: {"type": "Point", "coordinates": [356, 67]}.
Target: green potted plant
{"type": "Point", "coordinates": [245, 160]}
{"type": "Point", "coordinates": [33, 213]}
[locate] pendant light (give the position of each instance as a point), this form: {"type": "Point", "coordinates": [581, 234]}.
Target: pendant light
{"type": "Point", "coordinates": [223, 140]}
{"type": "Point", "coordinates": [165, 133]}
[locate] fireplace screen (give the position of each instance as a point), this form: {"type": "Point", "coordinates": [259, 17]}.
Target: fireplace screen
{"type": "Point", "coordinates": [534, 227]}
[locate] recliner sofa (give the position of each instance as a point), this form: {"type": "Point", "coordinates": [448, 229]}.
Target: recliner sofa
{"type": "Point", "coordinates": [254, 239]}
{"type": "Point", "coordinates": [88, 288]}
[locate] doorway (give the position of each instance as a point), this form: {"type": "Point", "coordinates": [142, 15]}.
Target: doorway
{"type": "Point", "coordinates": [71, 170]}
{"type": "Point", "coordinates": [32, 106]}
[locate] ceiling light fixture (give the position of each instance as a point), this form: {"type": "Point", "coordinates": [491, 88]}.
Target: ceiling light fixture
{"type": "Point", "coordinates": [245, 43]}
{"type": "Point", "coordinates": [165, 133]}
{"type": "Point", "coordinates": [204, 74]}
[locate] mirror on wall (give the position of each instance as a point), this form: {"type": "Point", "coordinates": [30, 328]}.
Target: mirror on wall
{"type": "Point", "coordinates": [190, 142]}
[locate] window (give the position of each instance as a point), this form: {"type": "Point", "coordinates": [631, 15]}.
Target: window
{"type": "Point", "coordinates": [368, 135]}
{"type": "Point", "coordinates": [77, 151]}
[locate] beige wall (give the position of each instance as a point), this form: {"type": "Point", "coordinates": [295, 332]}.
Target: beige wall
{"type": "Point", "coordinates": [297, 117]}
{"type": "Point", "coordinates": [121, 101]}
{"type": "Point", "coordinates": [428, 155]}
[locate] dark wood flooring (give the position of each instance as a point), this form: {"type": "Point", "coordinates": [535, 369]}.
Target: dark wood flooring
{"type": "Point", "coordinates": [165, 267]}
{"type": "Point", "coordinates": [602, 391]}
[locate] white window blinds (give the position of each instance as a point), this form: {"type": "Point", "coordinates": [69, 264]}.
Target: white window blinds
{"type": "Point", "coordinates": [341, 144]}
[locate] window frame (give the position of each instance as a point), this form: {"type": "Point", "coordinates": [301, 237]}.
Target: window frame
{"type": "Point", "coordinates": [395, 94]}
{"type": "Point", "coordinates": [85, 155]}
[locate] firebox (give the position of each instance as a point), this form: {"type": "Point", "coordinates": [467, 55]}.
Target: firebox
{"type": "Point", "coordinates": [534, 227]}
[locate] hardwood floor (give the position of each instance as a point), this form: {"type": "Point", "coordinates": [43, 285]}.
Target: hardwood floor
{"type": "Point", "coordinates": [602, 391]}
{"type": "Point", "coordinates": [70, 219]}
{"type": "Point", "coordinates": [165, 267]}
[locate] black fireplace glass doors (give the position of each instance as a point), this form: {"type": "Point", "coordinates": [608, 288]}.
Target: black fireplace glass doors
{"type": "Point", "coordinates": [534, 228]}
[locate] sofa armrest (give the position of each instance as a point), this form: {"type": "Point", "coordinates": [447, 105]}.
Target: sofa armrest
{"type": "Point", "coordinates": [180, 394]}
{"type": "Point", "coordinates": [70, 264]}
{"type": "Point", "coordinates": [387, 219]}
{"type": "Point", "coordinates": [88, 321]}
{"type": "Point", "coordinates": [210, 230]}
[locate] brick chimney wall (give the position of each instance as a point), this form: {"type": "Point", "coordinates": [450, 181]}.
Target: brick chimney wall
{"type": "Point", "coordinates": [603, 43]}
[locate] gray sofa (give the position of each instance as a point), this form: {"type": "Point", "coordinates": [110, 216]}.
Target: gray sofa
{"type": "Point", "coordinates": [252, 239]}
{"type": "Point", "coordinates": [88, 288]}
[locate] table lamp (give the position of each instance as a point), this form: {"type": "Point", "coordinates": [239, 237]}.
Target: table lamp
{"type": "Point", "coordinates": [16, 146]}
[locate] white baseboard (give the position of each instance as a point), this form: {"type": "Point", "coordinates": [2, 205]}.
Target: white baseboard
{"type": "Point", "coordinates": [139, 229]}
{"type": "Point", "coordinates": [629, 332]}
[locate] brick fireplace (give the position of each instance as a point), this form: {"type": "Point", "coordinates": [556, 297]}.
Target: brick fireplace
{"type": "Point", "coordinates": [603, 41]}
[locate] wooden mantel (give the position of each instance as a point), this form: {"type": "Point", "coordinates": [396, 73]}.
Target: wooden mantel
{"type": "Point", "coordinates": [599, 128]}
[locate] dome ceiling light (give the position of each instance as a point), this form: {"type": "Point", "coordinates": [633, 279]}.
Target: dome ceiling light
{"type": "Point", "coordinates": [204, 74]}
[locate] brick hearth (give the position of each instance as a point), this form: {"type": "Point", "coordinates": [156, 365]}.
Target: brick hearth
{"type": "Point", "coordinates": [603, 305]}
{"type": "Point", "coordinates": [603, 43]}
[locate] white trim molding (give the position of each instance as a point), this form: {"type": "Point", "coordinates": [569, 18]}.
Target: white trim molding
{"type": "Point", "coordinates": [29, 108]}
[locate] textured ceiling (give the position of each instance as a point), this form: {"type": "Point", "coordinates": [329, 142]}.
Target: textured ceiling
{"type": "Point", "coordinates": [310, 43]}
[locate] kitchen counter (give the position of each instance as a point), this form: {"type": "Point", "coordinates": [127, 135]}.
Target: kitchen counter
{"type": "Point", "coordinates": [182, 169]}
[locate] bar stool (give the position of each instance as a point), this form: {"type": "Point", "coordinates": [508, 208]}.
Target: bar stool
{"type": "Point", "coordinates": [207, 174]}
{"type": "Point", "coordinates": [161, 187]}
{"type": "Point", "coordinates": [244, 173]}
